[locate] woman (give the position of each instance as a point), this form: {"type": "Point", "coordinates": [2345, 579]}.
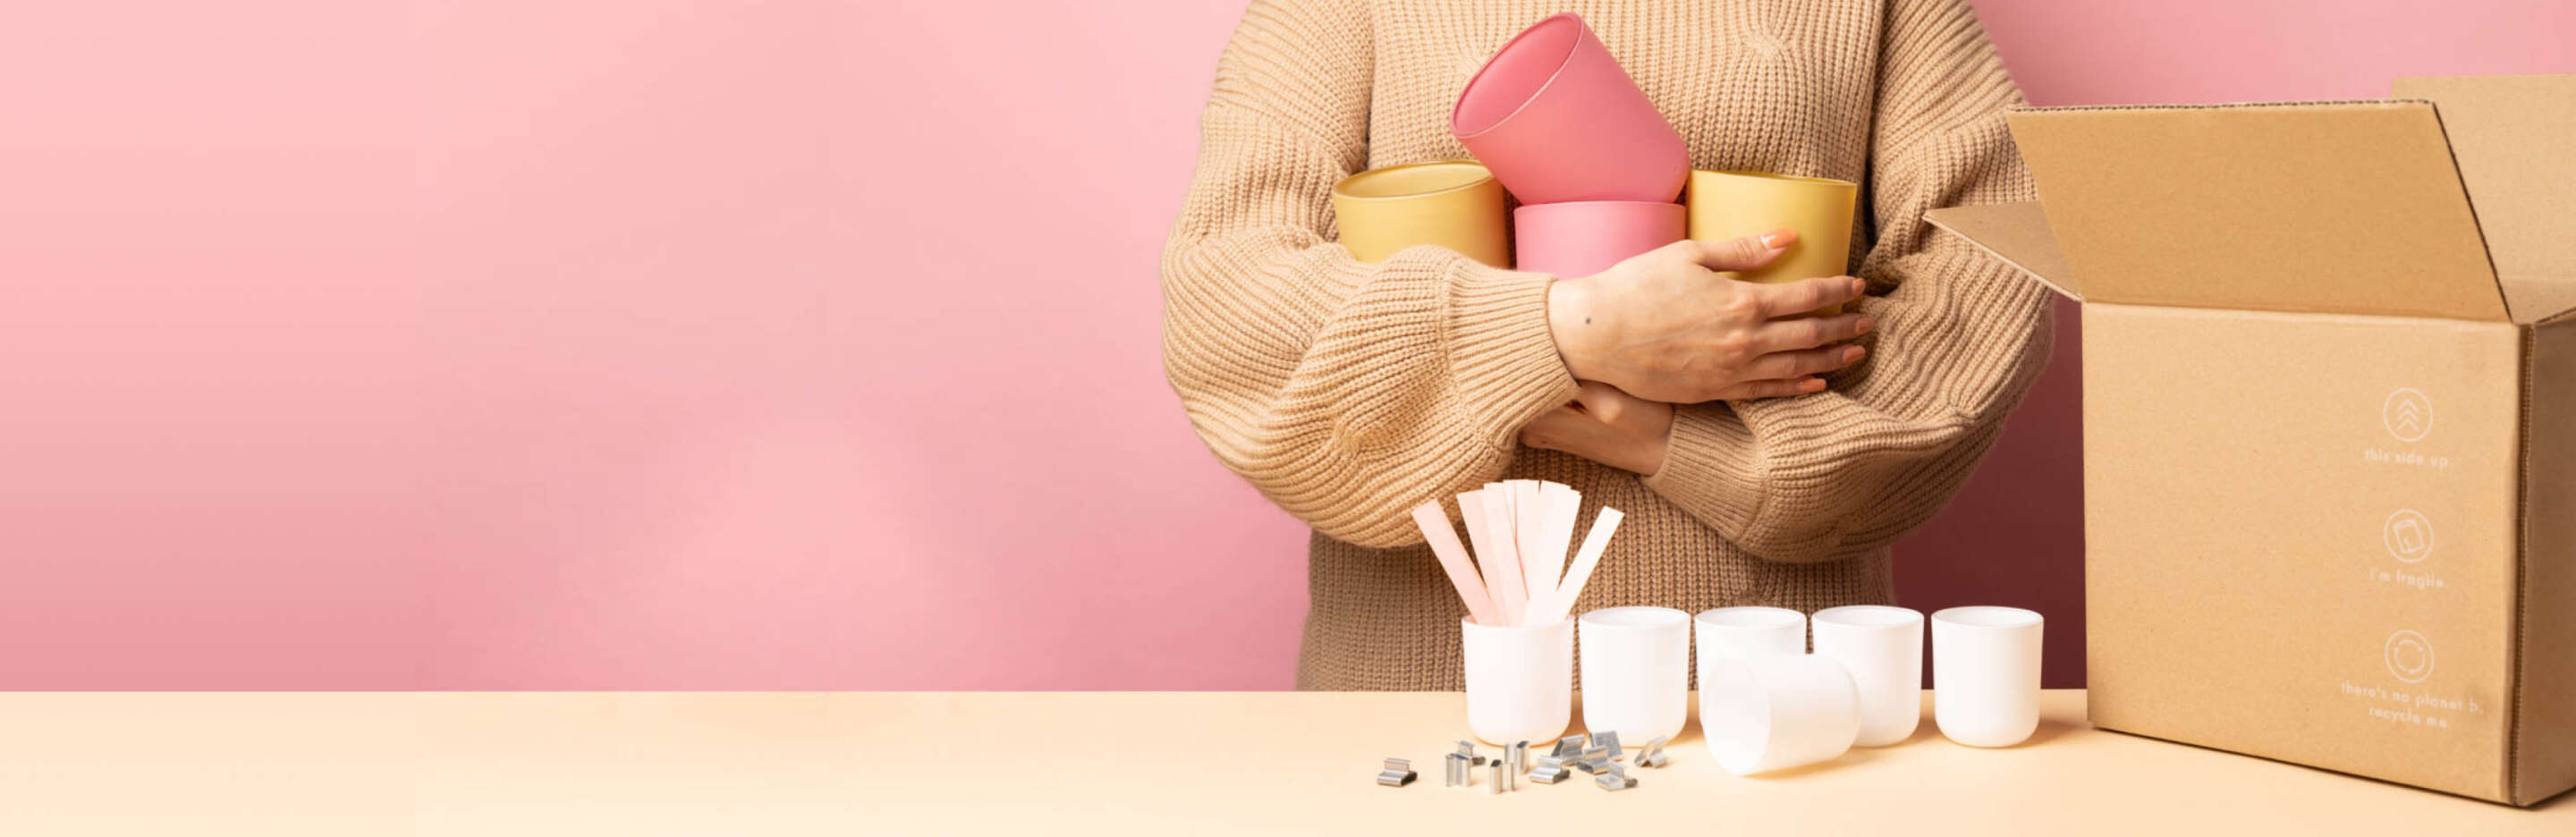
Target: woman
{"type": "Point", "coordinates": [1759, 460]}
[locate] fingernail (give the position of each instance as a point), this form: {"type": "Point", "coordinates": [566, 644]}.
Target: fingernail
{"type": "Point", "coordinates": [1812, 385]}
{"type": "Point", "coordinates": [1853, 354]}
{"type": "Point", "coordinates": [1779, 238]}
{"type": "Point", "coordinates": [1865, 325]}
{"type": "Point", "coordinates": [1859, 287]}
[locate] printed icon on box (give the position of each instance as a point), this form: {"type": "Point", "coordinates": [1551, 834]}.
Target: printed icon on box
{"type": "Point", "coordinates": [2409, 536]}
{"type": "Point", "coordinates": [2409, 656]}
{"type": "Point", "coordinates": [2407, 414]}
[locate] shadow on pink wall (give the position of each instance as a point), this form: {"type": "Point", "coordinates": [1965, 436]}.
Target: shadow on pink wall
{"type": "Point", "coordinates": [696, 345]}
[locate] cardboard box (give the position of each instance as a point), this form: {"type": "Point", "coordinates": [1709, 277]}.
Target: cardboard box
{"type": "Point", "coordinates": [2329, 421]}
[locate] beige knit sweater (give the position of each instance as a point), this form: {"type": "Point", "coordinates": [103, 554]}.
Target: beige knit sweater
{"type": "Point", "coordinates": [1349, 393]}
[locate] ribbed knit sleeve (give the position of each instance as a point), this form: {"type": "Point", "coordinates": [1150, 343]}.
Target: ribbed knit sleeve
{"type": "Point", "coordinates": [1346, 392]}
{"type": "Point", "coordinates": [1959, 339]}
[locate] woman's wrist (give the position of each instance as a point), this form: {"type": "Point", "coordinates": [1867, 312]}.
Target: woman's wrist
{"type": "Point", "coordinates": [1650, 459]}
{"type": "Point", "coordinates": [1570, 323]}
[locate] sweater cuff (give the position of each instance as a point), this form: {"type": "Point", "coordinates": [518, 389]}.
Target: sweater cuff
{"type": "Point", "coordinates": [1501, 353]}
{"type": "Point", "coordinates": [1713, 466]}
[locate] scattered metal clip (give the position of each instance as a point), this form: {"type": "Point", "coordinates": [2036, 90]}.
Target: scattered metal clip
{"type": "Point", "coordinates": [1551, 770]}
{"type": "Point", "coordinates": [1498, 777]}
{"type": "Point", "coordinates": [1568, 747]}
{"type": "Point", "coordinates": [1614, 779]}
{"type": "Point", "coordinates": [1608, 741]}
{"type": "Point", "coordinates": [1468, 749]}
{"type": "Point", "coordinates": [1516, 762]}
{"type": "Point", "coordinates": [1593, 760]}
{"type": "Point", "coordinates": [1398, 773]}
{"type": "Point", "coordinates": [1652, 755]}
{"type": "Point", "coordinates": [1453, 771]}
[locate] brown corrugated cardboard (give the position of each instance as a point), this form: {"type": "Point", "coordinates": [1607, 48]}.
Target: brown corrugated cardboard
{"type": "Point", "coordinates": [2330, 495]}
{"type": "Point", "coordinates": [2269, 569]}
{"type": "Point", "coordinates": [2545, 760]}
{"type": "Point", "coordinates": [2510, 135]}
{"type": "Point", "coordinates": [2018, 234]}
{"type": "Point", "coordinates": [2351, 207]}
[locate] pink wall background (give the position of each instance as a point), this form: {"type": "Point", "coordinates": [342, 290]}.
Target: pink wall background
{"type": "Point", "coordinates": [674, 345]}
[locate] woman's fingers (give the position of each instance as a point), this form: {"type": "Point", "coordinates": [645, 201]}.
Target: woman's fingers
{"type": "Point", "coordinates": [1806, 295]}
{"type": "Point", "coordinates": [1774, 389]}
{"type": "Point", "coordinates": [1745, 253]}
{"type": "Point", "coordinates": [1804, 362]}
{"type": "Point", "coordinates": [1810, 332]}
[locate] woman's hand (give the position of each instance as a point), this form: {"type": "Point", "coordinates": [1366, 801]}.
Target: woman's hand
{"type": "Point", "coordinates": [1606, 426]}
{"type": "Point", "coordinates": [1666, 326]}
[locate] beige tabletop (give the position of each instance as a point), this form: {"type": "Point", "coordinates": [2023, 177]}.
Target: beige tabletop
{"type": "Point", "coordinates": [1057, 763]}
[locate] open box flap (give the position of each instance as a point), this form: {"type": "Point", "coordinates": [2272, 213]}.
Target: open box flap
{"type": "Point", "coordinates": [2515, 140]}
{"type": "Point", "coordinates": [2016, 233]}
{"type": "Point", "coordinates": [2347, 207]}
